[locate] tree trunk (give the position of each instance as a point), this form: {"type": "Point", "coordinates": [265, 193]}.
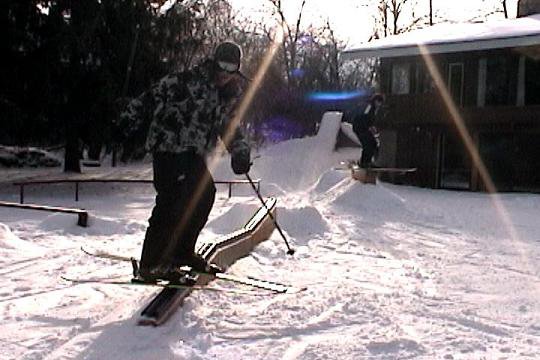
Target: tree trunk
{"type": "Point", "coordinates": [430, 12]}
{"type": "Point", "coordinates": [73, 153]}
{"type": "Point", "coordinates": [94, 150]}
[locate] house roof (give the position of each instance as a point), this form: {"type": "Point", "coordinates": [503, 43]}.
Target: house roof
{"type": "Point", "coordinates": [454, 37]}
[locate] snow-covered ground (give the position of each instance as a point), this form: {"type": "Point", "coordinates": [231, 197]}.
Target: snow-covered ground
{"type": "Point", "coordinates": [393, 272]}
{"type": "Point", "coordinates": [27, 157]}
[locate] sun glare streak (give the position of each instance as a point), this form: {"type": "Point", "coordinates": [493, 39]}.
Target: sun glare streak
{"type": "Point", "coordinates": [458, 120]}
{"type": "Point", "coordinates": [472, 150]}
{"type": "Point", "coordinates": [254, 84]}
{"type": "Point", "coordinates": [239, 114]}
{"type": "Point", "coordinates": [242, 108]}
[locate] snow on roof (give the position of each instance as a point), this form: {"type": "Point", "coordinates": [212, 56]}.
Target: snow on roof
{"type": "Point", "coordinates": [452, 37]}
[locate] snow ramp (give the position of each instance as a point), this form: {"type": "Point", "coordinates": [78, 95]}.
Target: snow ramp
{"type": "Point", "coordinates": [300, 162]}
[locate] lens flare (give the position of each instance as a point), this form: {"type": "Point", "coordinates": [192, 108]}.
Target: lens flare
{"type": "Point", "coordinates": [334, 96]}
{"type": "Point", "coordinates": [472, 149]}
{"type": "Point", "coordinates": [237, 117]}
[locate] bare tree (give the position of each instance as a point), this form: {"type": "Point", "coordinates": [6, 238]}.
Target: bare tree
{"type": "Point", "coordinates": [333, 46]}
{"type": "Point", "coordinates": [388, 20]}
{"type": "Point", "coordinates": [220, 23]}
{"type": "Point", "coordinates": [489, 9]}
{"type": "Point", "coordinates": [381, 20]}
{"type": "Point", "coordinates": [291, 34]}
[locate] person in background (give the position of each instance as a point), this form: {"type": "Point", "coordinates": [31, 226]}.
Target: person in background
{"type": "Point", "coordinates": [364, 127]}
{"type": "Point", "coordinates": [189, 110]}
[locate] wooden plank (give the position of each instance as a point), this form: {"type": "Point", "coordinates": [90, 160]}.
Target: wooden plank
{"type": "Point", "coordinates": [81, 213]}
{"type": "Point", "coordinates": [93, 180]}
{"type": "Point", "coordinates": [168, 299]}
{"type": "Point", "coordinates": [366, 177]}
{"type": "Point", "coordinates": [391, 170]}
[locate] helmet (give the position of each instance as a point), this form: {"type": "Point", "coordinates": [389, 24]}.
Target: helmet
{"type": "Point", "coordinates": [228, 54]}
{"type": "Point", "coordinates": [376, 97]}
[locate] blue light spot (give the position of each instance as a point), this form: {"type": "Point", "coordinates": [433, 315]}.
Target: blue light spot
{"type": "Point", "coordinates": [333, 96]}
{"type": "Point", "coordinates": [298, 72]}
{"type": "Point", "coordinates": [280, 128]}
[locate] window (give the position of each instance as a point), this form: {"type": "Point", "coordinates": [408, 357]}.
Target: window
{"type": "Point", "coordinates": [401, 82]}
{"type": "Point", "coordinates": [497, 81]}
{"type": "Point", "coordinates": [423, 80]}
{"type": "Point", "coordinates": [481, 90]}
{"type": "Point", "coordinates": [455, 82]}
{"type": "Point", "coordinates": [532, 82]}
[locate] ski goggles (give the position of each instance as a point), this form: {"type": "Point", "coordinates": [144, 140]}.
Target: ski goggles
{"type": "Point", "coordinates": [228, 67]}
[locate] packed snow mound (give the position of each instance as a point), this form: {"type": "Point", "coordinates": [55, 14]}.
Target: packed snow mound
{"type": "Point", "coordinates": [347, 129]}
{"type": "Point", "coordinates": [328, 130]}
{"type": "Point", "coordinates": [291, 165]}
{"type": "Point", "coordinates": [61, 223]}
{"type": "Point", "coordinates": [302, 223]}
{"type": "Point", "coordinates": [27, 157]}
{"type": "Point", "coordinates": [305, 158]}
{"type": "Point", "coordinates": [220, 168]}
{"type": "Point", "coordinates": [371, 200]}
{"type": "Point", "coordinates": [10, 242]}
{"type": "Point", "coordinates": [329, 179]}
{"type": "Point", "coordinates": [112, 226]}
{"type": "Point", "coordinates": [97, 226]}
{"type": "Point", "coordinates": [235, 218]}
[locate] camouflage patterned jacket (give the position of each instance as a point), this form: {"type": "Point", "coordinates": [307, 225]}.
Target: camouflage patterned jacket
{"type": "Point", "coordinates": [186, 112]}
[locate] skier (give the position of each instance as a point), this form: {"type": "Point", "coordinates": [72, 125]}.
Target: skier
{"type": "Point", "coordinates": [188, 110]}
{"type": "Point", "coordinates": [364, 128]}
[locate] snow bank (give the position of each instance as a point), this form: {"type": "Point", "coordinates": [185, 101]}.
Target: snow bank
{"type": "Point", "coordinates": [27, 157]}
{"type": "Point", "coordinates": [10, 242]}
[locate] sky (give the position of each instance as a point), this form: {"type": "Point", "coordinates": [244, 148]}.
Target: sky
{"type": "Point", "coordinates": [353, 19]}
{"type": "Point", "coordinates": [392, 272]}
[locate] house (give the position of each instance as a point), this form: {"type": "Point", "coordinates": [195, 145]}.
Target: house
{"type": "Point", "coordinates": [460, 93]}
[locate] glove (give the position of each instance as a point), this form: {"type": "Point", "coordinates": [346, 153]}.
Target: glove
{"type": "Point", "coordinates": [240, 162]}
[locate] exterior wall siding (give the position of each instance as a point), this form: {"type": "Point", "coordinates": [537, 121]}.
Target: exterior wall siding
{"type": "Point", "coordinates": [422, 125]}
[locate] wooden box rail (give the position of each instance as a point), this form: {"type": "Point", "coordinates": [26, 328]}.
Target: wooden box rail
{"type": "Point", "coordinates": [81, 213]}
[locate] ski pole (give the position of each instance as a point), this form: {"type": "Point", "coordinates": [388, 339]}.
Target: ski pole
{"type": "Point", "coordinates": [290, 251]}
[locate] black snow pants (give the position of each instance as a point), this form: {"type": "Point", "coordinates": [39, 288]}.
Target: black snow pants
{"type": "Point", "coordinates": [185, 196]}
{"type": "Point", "coordinates": [369, 147]}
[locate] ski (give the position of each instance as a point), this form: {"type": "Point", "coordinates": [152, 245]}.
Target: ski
{"type": "Point", "coordinates": [248, 281]}
{"type": "Point", "coordinates": [257, 283]}
{"type": "Point", "coordinates": [162, 284]}
{"type": "Point", "coordinates": [106, 255]}
{"type": "Point", "coordinates": [165, 303]}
